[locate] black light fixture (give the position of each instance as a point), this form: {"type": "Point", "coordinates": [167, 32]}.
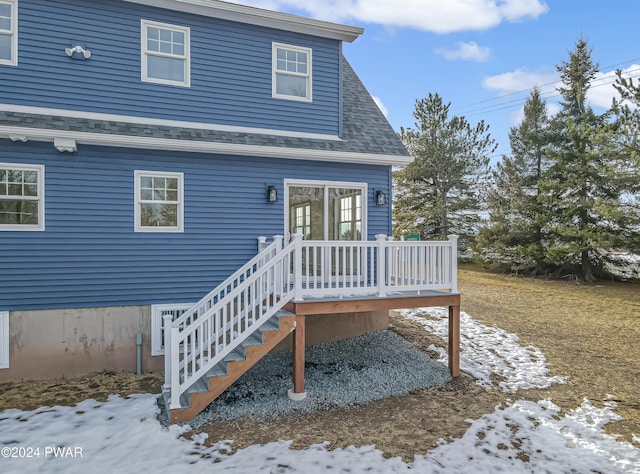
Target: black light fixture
{"type": "Point", "coordinates": [381, 198]}
{"type": "Point", "coordinates": [272, 194]}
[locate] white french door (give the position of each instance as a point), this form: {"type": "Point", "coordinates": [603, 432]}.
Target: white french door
{"type": "Point", "coordinates": [326, 210]}
{"type": "Point", "coordinates": [329, 211]}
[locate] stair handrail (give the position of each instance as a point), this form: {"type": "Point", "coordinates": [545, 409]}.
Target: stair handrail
{"type": "Point", "coordinates": [271, 282]}
{"type": "Point", "coordinates": [219, 291]}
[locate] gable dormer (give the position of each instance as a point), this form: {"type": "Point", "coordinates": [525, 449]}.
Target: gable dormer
{"type": "Point", "coordinates": [202, 61]}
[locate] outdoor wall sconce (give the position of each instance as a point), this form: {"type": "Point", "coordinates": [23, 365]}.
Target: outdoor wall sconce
{"type": "Point", "coordinates": [381, 198]}
{"type": "Point", "coordinates": [78, 52]}
{"type": "Point", "coordinates": [272, 194]}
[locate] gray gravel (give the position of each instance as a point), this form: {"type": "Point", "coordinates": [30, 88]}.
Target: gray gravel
{"type": "Point", "coordinates": [347, 372]}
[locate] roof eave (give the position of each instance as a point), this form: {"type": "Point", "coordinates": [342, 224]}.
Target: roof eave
{"type": "Point", "coordinates": [168, 144]}
{"type": "Point", "coordinates": [258, 16]}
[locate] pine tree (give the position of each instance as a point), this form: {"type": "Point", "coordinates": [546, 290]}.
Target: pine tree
{"type": "Point", "coordinates": [441, 191]}
{"type": "Point", "coordinates": [517, 217]}
{"type": "Point", "coordinates": [586, 182]}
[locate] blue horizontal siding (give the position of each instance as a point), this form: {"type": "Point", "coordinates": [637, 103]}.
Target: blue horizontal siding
{"type": "Point", "coordinates": [230, 68]}
{"type": "Point", "coordinates": [89, 254]}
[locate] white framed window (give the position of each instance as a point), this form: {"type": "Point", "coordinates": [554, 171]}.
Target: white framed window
{"type": "Point", "coordinates": [159, 201]}
{"type": "Point", "coordinates": [158, 312]}
{"type": "Point", "coordinates": [165, 54]}
{"type": "Point", "coordinates": [291, 72]}
{"type": "Point", "coordinates": [9, 32]}
{"type": "Point", "coordinates": [21, 197]}
{"type": "Point", "coordinates": [4, 339]}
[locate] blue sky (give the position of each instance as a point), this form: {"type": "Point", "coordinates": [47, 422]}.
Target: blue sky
{"type": "Point", "coordinates": [483, 56]}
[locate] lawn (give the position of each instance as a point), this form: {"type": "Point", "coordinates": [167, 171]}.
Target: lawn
{"type": "Point", "coordinates": [588, 332]}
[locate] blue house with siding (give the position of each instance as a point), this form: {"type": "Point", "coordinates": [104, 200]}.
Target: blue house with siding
{"type": "Point", "coordinates": [145, 146]}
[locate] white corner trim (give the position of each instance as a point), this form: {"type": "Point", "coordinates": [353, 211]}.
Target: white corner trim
{"type": "Point", "coordinates": [167, 144]}
{"type": "Point", "coordinates": [260, 17]}
{"type": "Point", "coordinates": [4, 339]}
{"type": "Point", "coordinates": [65, 144]}
{"type": "Point", "coordinates": [26, 109]}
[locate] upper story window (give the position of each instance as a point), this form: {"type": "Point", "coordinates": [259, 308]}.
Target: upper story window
{"type": "Point", "coordinates": [159, 201]}
{"type": "Point", "coordinates": [21, 197]}
{"type": "Point", "coordinates": [9, 32]}
{"type": "Point", "coordinates": [291, 72]}
{"type": "Point", "coordinates": [165, 54]}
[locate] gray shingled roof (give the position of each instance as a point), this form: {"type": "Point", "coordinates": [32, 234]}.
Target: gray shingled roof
{"type": "Point", "coordinates": [365, 129]}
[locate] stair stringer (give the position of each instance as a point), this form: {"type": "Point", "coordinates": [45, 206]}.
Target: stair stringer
{"type": "Point", "coordinates": [217, 384]}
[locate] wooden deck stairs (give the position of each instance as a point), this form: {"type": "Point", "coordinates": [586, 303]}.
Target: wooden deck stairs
{"type": "Point", "coordinates": [232, 367]}
{"type": "Point", "coordinates": [231, 328]}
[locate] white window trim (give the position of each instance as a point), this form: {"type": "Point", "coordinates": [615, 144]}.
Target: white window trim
{"type": "Point", "coordinates": [137, 198]}
{"type": "Point", "coordinates": [144, 24]}
{"type": "Point", "coordinates": [157, 324]}
{"type": "Point", "coordinates": [4, 339]}
{"type": "Point", "coordinates": [327, 184]}
{"type": "Point", "coordinates": [13, 33]}
{"type": "Point", "coordinates": [309, 75]}
{"type": "Point", "coordinates": [24, 227]}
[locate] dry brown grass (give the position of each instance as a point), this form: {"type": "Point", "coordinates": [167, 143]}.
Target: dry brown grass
{"type": "Point", "coordinates": [590, 333]}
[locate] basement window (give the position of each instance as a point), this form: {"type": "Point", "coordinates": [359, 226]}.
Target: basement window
{"type": "Point", "coordinates": [158, 312]}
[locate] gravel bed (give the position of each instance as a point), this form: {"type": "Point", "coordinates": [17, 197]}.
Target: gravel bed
{"type": "Point", "coordinates": [347, 372]}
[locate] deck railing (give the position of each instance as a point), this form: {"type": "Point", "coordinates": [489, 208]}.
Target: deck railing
{"type": "Point", "coordinates": [223, 319]}
{"type": "Point", "coordinates": [350, 268]}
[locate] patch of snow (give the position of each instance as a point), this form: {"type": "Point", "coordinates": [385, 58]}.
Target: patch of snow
{"type": "Point", "coordinates": [123, 435]}
{"type": "Point", "coordinates": [531, 437]}
{"type": "Point", "coordinates": [635, 438]}
{"type": "Point", "coordinates": [488, 350]}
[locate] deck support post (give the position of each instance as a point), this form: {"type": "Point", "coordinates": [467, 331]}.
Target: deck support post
{"type": "Point", "coordinates": [298, 392]}
{"type": "Point", "coordinates": [454, 340]}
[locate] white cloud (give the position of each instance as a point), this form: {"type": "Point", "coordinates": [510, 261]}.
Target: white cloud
{"type": "Point", "coordinates": [466, 51]}
{"type": "Point", "coordinates": [522, 80]}
{"type": "Point", "coordinates": [518, 83]}
{"type": "Point", "coordinates": [381, 106]}
{"type": "Point", "coordinates": [602, 92]}
{"type": "Point", "coordinates": [429, 15]}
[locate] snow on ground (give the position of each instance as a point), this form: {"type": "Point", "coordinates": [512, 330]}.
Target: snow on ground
{"type": "Point", "coordinates": [123, 435]}
{"type": "Point", "coordinates": [485, 351]}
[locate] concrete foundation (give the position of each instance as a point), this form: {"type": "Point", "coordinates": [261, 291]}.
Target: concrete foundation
{"type": "Point", "coordinates": [73, 342]}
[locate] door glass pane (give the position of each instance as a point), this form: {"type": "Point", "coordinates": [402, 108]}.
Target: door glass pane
{"type": "Point", "coordinates": [306, 212]}
{"type": "Point", "coordinates": [345, 214]}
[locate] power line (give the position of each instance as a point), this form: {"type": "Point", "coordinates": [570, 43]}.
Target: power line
{"type": "Point", "coordinates": [545, 95]}
{"type": "Point", "coordinates": [523, 91]}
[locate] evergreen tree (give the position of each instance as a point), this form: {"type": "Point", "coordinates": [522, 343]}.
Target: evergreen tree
{"type": "Point", "coordinates": [441, 191]}
{"type": "Point", "coordinates": [517, 217]}
{"type": "Point", "coordinates": [586, 182]}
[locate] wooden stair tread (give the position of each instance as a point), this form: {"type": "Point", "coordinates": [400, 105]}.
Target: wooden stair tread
{"type": "Point", "coordinates": [241, 359]}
